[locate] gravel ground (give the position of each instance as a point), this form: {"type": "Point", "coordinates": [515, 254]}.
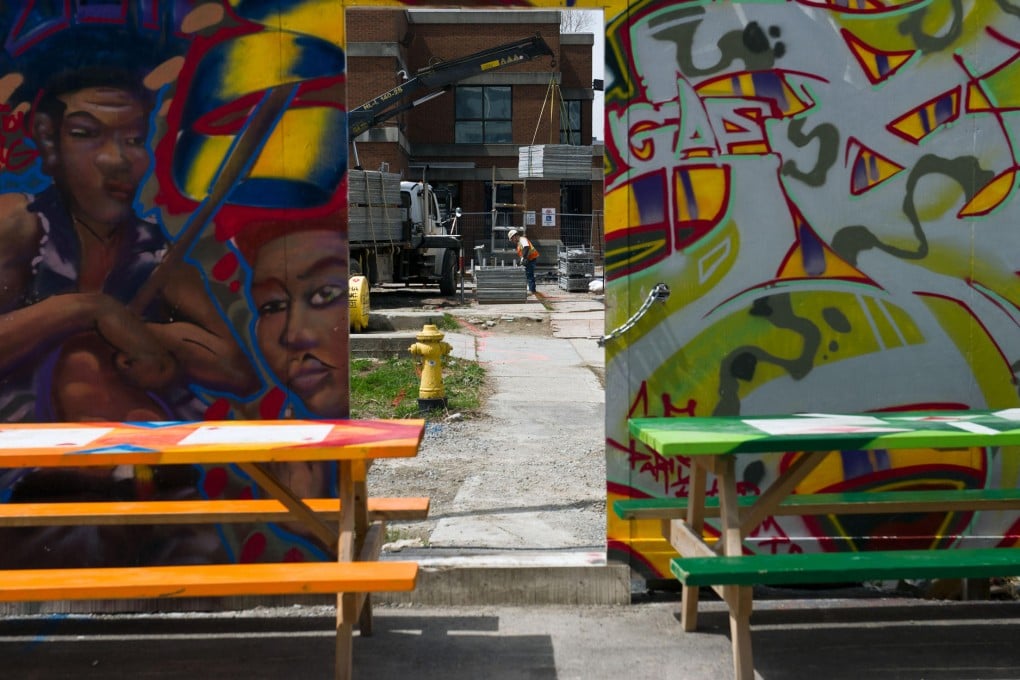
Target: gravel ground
{"type": "Point", "coordinates": [572, 482]}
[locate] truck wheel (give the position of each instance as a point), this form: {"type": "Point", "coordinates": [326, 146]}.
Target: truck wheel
{"type": "Point", "coordinates": [371, 270]}
{"type": "Point", "coordinates": [448, 278]}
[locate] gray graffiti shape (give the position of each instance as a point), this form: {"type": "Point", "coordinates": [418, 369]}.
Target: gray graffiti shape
{"type": "Point", "coordinates": [850, 241]}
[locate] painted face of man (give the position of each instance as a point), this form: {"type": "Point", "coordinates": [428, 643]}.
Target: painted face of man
{"type": "Point", "coordinates": [299, 287]}
{"type": "Point", "coordinates": [101, 153]}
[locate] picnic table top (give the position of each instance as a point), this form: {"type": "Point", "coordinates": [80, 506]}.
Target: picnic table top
{"type": "Point", "coordinates": [827, 431]}
{"type": "Point", "coordinates": [241, 441]}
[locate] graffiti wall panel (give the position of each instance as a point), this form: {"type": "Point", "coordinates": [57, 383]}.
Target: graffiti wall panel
{"type": "Point", "coordinates": [829, 191]}
{"type": "Point", "coordinates": [172, 199]}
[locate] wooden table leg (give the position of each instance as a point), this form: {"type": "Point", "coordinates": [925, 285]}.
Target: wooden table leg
{"type": "Point", "coordinates": [346, 603]}
{"type": "Point", "coordinates": [696, 522]}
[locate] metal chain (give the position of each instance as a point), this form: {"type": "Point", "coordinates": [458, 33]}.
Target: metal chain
{"type": "Point", "coordinates": [659, 293]}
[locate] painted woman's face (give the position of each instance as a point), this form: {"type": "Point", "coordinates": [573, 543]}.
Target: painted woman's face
{"type": "Point", "coordinates": [299, 286]}
{"type": "Point", "coordinates": [102, 153]}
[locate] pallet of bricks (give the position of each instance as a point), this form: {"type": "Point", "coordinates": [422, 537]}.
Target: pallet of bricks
{"type": "Point", "coordinates": [576, 269]}
{"type": "Point", "coordinates": [500, 284]}
{"type": "Point", "coordinates": [374, 207]}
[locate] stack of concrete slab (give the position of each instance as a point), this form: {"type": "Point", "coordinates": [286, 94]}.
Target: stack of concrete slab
{"type": "Point", "coordinates": [374, 209]}
{"type": "Point", "coordinates": [554, 161]}
{"type": "Point", "coordinates": [547, 252]}
{"type": "Point", "coordinates": [495, 285]}
{"type": "Point", "coordinates": [576, 269]}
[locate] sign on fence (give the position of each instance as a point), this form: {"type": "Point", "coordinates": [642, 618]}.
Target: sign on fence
{"type": "Point", "coordinates": [548, 217]}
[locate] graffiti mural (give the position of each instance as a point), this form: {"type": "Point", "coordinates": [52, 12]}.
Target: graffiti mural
{"type": "Point", "coordinates": [172, 221]}
{"type": "Point", "coordinates": [829, 189]}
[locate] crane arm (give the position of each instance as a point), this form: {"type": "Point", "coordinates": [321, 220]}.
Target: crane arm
{"type": "Point", "coordinates": [433, 80]}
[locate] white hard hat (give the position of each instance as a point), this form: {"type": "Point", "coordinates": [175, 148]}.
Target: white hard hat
{"type": "Point", "coordinates": [511, 233]}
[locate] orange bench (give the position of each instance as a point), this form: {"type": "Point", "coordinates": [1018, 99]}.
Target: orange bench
{"type": "Point", "coordinates": [205, 580]}
{"type": "Point", "coordinates": [196, 511]}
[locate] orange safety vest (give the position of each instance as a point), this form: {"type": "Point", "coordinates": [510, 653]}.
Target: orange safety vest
{"type": "Point", "coordinates": [532, 254]}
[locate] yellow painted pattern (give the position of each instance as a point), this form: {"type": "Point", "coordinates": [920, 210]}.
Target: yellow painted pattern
{"type": "Point", "coordinates": [205, 166]}
{"type": "Point", "coordinates": [711, 196]}
{"type": "Point", "coordinates": [991, 196]}
{"type": "Point", "coordinates": [990, 373]}
{"type": "Point", "coordinates": [323, 19]}
{"type": "Point", "coordinates": [290, 152]}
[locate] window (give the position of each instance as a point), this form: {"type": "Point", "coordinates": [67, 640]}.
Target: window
{"type": "Point", "coordinates": [570, 122]}
{"type": "Point", "coordinates": [483, 114]}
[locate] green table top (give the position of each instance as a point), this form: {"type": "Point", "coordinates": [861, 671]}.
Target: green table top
{"type": "Point", "coordinates": [828, 432]}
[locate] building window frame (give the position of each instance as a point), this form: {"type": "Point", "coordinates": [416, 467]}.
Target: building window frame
{"type": "Point", "coordinates": [570, 122]}
{"type": "Point", "coordinates": [483, 114]}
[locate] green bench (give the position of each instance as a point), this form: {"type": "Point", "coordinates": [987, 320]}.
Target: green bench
{"type": "Point", "coordinates": [834, 567]}
{"type": "Point", "coordinates": [839, 567]}
{"type": "Point", "coordinates": [856, 502]}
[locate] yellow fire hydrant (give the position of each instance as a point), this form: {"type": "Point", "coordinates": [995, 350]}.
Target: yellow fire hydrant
{"type": "Point", "coordinates": [431, 348]}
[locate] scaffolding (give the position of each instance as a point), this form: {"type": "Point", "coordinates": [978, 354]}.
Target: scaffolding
{"type": "Point", "coordinates": [499, 240]}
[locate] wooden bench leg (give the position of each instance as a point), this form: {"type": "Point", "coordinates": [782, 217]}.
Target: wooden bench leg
{"type": "Point", "coordinates": [696, 521]}
{"type": "Point", "coordinates": [977, 589]}
{"type": "Point", "coordinates": [346, 603]}
{"type": "Point", "coordinates": [365, 620]}
{"type": "Point", "coordinates": [739, 599]}
{"type": "Point", "coordinates": [346, 614]}
{"type": "Point", "coordinates": [361, 524]}
{"type": "Point", "coordinates": [740, 605]}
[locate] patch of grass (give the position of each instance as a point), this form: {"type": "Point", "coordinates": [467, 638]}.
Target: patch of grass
{"type": "Point", "coordinates": [388, 388]}
{"type": "Point", "coordinates": [448, 323]}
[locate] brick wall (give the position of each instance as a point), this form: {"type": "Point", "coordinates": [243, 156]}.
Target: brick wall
{"type": "Point", "coordinates": [375, 25]}
{"type": "Point", "coordinates": [434, 121]}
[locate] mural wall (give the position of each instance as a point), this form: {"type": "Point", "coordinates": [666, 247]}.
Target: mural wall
{"type": "Point", "coordinates": [172, 246]}
{"type": "Point", "coordinates": [829, 189]}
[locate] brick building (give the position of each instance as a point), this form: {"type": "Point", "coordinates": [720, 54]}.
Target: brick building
{"type": "Point", "coordinates": [544, 101]}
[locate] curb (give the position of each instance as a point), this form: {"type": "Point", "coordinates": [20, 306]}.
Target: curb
{"type": "Point", "coordinates": [559, 579]}
{"type": "Point", "coordinates": [382, 345]}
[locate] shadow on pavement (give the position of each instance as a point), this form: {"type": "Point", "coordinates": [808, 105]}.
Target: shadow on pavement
{"type": "Point", "coordinates": [879, 641]}
{"type": "Point", "coordinates": [423, 648]}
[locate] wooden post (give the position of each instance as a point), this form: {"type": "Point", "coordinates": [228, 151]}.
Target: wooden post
{"type": "Point", "coordinates": [360, 471]}
{"type": "Point", "coordinates": [346, 603]}
{"type": "Point", "coordinates": [696, 522]}
{"type": "Point", "coordinates": [738, 598]}
{"type": "Point", "coordinates": [740, 603]}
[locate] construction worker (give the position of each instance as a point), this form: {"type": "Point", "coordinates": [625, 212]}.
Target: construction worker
{"type": "Point", "coordinates": [527, 254]}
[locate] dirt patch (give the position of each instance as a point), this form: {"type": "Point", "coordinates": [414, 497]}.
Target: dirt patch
{"type": "Point", "coordinates": [506, 324]}
{"type": "Point", "coordinates": [420, 298]}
